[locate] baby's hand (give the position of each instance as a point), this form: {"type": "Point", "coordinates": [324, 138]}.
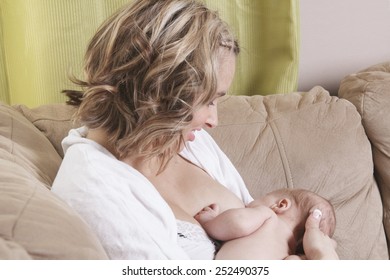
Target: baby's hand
{"type": "Point", "coordinates": [207, 214]}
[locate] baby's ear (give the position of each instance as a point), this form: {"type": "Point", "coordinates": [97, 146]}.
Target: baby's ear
{"type": "Point", "coordinates": [282, 205]}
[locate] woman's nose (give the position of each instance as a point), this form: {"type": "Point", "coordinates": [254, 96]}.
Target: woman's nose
{"type": "Point", "coordinates": [212, 120]}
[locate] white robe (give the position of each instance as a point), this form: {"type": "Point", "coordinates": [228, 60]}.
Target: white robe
{"type": "Point", "coordinates": [121, 206]}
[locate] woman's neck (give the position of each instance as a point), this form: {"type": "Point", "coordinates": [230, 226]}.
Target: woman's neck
{"type": "Point", "coordinates": [100, 137]}
{"type": "Point", "coordinates": [149, 167]}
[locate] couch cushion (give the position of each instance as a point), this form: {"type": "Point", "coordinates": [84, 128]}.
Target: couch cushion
{"type": "Point", "coordinates": [369, 91]}
{"type": "Point", "coordinates": [313, 141]}
{"type": "Point", "coordinates": [27, 146]}
{"type": "Point", "coordinates": [34, 223]}
{"type": "Point", "coordinates": [54, 121]}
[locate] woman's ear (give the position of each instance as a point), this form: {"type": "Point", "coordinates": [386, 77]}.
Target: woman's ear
{"type": "Point", "coordinates": [282, 205]}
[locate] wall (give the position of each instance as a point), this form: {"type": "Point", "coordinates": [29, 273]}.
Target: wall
{"type": "Point", "coordinates": [341, 37]}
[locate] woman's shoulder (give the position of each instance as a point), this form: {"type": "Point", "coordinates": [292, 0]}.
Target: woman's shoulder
{"type": "Point", "coordinates": [88, 167]}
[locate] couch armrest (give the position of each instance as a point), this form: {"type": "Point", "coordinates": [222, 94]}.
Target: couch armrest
{"type": "Point", "coordinates": [34, 223]}
{"type": "Point", "coordinates": [369, 91]}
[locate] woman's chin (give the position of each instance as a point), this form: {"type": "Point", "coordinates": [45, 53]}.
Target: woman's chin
{"type": "Point", "coordinates": [190, 136]}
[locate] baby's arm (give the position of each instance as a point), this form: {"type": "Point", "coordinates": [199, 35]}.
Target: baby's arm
{"type": "Point", "coordinates": [233, 223]}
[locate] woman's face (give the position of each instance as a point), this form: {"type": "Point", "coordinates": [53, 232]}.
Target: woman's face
{"type": "Point", "coordinates": [206, 116]}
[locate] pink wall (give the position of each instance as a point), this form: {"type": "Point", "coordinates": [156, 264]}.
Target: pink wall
{"type": "Point", "coordinates": [339, 37]}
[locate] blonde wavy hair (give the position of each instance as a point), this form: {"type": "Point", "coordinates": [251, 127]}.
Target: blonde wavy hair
{"type": "Point", "coordinates": [146, 70]}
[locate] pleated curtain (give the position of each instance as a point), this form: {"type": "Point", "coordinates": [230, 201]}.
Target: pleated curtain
{"type": "Point", "coordinates": [42, 41]}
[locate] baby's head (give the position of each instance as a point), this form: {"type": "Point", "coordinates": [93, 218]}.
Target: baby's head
{"type": "Point", "coordinates": [308, 201]}
{"type": "Point", "coordinates": [297, 204]}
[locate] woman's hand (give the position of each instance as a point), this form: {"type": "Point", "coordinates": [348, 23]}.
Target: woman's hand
{"type": "Point", "coordinates": [316, 244]}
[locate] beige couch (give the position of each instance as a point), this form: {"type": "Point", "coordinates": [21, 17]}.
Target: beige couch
{"type": "Point", "coordinates": [308, 140]}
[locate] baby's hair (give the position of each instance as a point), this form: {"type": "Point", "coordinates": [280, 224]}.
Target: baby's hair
{"type": "Point", "coordinates": [308, 201]}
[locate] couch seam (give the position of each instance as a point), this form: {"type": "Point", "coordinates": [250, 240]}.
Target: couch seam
{"type": "Point", "coordinates": [364, 93]}
{"type": "Point", "coordinates": [22, 211]}
{"type": "Point", "coordinates": [283, 155]}
{"type": "Point", "coordinates": [364, 99]}
{"type": "Point", "coordinates": [276, 116]}
{"type": "Point", "coordinates": [11, 134]}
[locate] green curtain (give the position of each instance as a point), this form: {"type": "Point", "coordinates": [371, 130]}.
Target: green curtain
{"type": "Point", "coordinates": [42, 41]}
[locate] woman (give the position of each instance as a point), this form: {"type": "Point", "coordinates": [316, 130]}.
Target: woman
{"type": "Point", "coordinates": [142, 167]}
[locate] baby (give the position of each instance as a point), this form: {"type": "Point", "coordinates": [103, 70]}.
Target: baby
{"type": "Point", "coordinates": [270, 227]}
